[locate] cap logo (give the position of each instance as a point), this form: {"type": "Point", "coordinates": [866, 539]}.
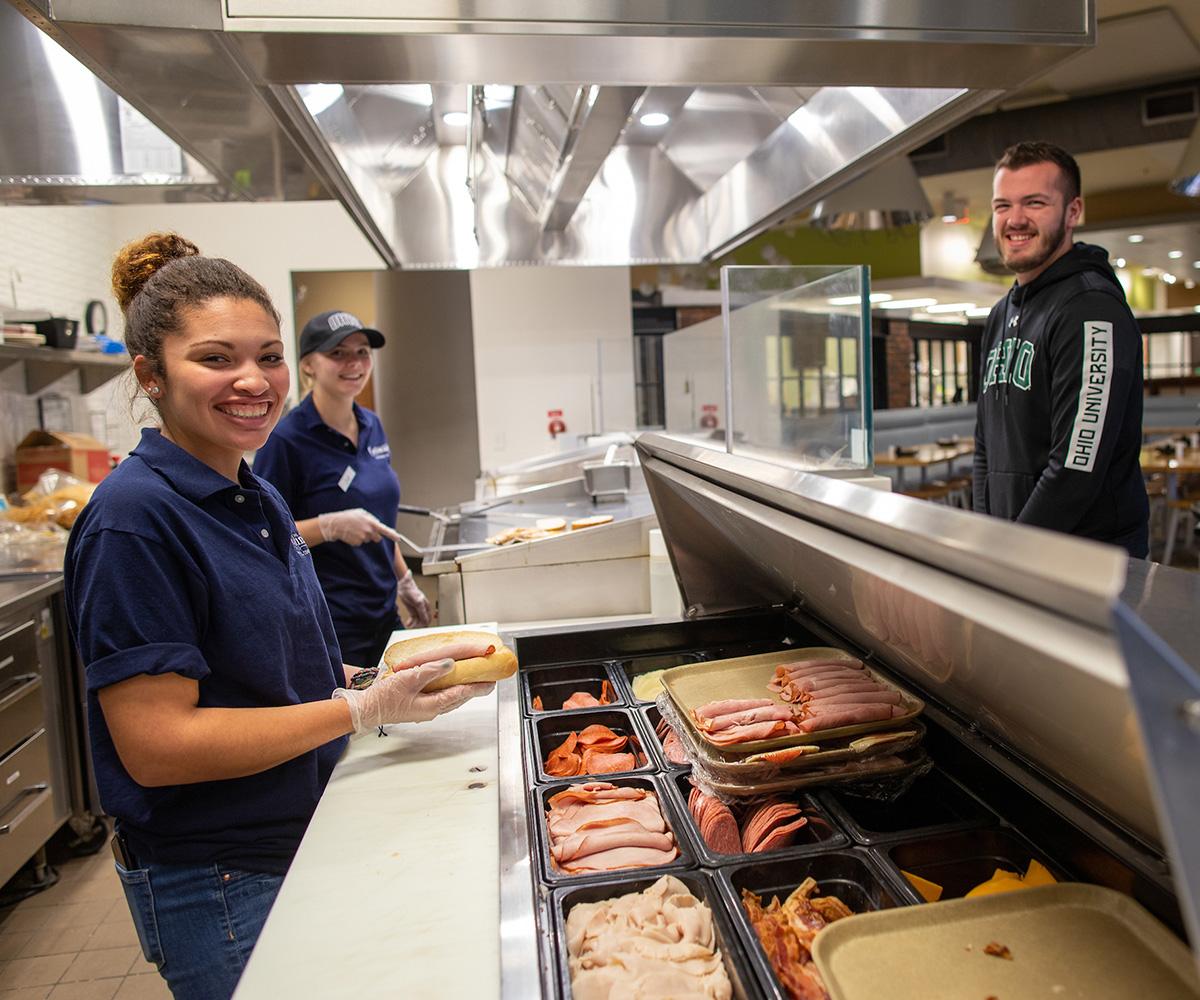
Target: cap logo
{"type": "Point", "coordinates": [338, 320]}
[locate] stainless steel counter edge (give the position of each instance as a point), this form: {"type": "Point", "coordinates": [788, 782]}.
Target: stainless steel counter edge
{"type": "Point", "coordinates": [16, 588]}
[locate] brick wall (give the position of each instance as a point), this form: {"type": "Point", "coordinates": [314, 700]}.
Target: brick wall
{"type": "Point", "coordinates": [899, 357]}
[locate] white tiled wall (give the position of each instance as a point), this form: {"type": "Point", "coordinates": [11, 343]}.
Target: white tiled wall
{"type": "Point", "coordinates": [58, 258]}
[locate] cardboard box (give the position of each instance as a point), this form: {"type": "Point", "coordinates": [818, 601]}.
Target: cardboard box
{"type": "Point", "coordinates": [79, 454]}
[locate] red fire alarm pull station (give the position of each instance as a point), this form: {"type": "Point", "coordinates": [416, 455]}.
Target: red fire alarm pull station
{"type": "Point", "coordinates": [708, 416]}
{"type": "Point", "coordinates": [557, 426]}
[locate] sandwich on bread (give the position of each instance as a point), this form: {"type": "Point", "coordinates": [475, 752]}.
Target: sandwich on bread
{"type": "Point", "coordinates": [478, 657]}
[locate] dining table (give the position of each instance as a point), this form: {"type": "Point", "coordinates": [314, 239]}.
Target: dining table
{"type": "Point", "coordinates": [922, 457]}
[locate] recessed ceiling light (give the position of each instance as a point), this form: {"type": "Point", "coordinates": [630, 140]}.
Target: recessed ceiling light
{"type": "Point", "coordinates": [1169, 279]}
{"type": "Point", "coordinates": [1189, 284]}
{"type": "Point", "coordinates": [455, 119]}
{"type": "Point", "coordinates": [654, 118]}
{"type": "Point", "coordinates": [1120, 262]}
{"type": "Point", "coordinates": [908, 304]}
{"type": "Point", "coordinates": [978, 312]}
{"type": "Point", "coordinates": [1136, 238]}
{"type": "Point", "coordinates": [1196, 263]}
{"type": "Point", "coordinates": [1174, 254]}
{"type": "Point", "coordinates": [880, 297]}
{"type": "Point", "coordinates": [951, 307]}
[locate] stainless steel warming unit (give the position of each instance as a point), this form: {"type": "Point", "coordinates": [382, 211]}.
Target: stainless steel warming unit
{"type": "Point", "coordinates": [1060, 681]}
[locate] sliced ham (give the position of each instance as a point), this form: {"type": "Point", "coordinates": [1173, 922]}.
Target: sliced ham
{"type": "Point", "coordinates": [581, 699]}
{"type": "Point", "coordinates": [574, 818]}
{"type": "Point", "coordinates": [883, 696]}
{"type": "Point", "coordinates": [795, 670]}
{"type": "Point", "coordinates": [768, 713]}
{"type": "Point", "coordinates": [818, 662]}
{"type": "Point", "coordinates": [833, 692]}
{"type": "Point", "coordinates": [673, 748]}
{"type": "Point", "coordinates": [848, 715]}
{"type": "Point", "coordinates": [596, 791]}
{"type": "Point", "coordinates": [813, 684]}
{"type": "Point", "coordinates": [586, 842]}
{"type": "Point", "coordinates": [750, 734]}
{"type": "Point", "coordinates": [715, 708]}
{"type": "Point", "coordinates": [619, 858]}
{"type": "Point", "coordinates": [452, 650]}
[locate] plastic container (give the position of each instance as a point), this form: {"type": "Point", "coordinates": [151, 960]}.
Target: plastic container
{"type": "Point", "coordinates": [554, 685]}
{"type": "Point", "coordinates": [651, 717]}
{"type": "Point", "coordinates": [627, 670]}
{"type": "Point", "coordinates": [960, 861]}
{"type": "Point", "coordinates": [550, 732]}
{"type": "Point", "coordinates": [850, 874]}
{"type": "Point", "coordinates": [701, 886]}
{"type": "Point", "coordinates": [933, 803]}
{"type": "Point", "coordinates": [60, 333]}
{"type": "Point", "coordinates": [819, 834]}
{"type": "Point", "coordinates": [539, 798]}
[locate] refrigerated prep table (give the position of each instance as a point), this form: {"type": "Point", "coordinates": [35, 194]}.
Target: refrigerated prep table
{"type": "Point", "coordinates": [1022, 644]}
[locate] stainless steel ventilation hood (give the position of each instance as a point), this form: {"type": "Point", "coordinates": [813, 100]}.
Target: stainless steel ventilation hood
{"type": "Point", "coordinates": [66, 138]}
{"type": "Point", "coordinates": [474, 133]}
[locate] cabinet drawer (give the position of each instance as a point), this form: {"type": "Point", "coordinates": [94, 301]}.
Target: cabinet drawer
{"type": "Point", "coordinates": [21, 709]}
{"type": "Point", "coordinates": [18, 648]}
{"type": "Point", "coordinates": [27, 810]}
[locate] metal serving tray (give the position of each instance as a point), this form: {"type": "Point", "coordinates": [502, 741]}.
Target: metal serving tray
{"type": "Point", "coordinates": [961, 860]}
{"type": "Point", "coordinates": [851, 874]}
{"type": "Point", "coordinates": [819, 834]}
{"type": "Point", "coordinates": [933, 803]}
{"type": "Point", "coordinates": [556, 684]}
{"type": "Point", "coordinates": [549, 732]}
{"type": "Point", "coordinates": [702, 886]}
{"type": "Point", "coordinates": [539, 796]}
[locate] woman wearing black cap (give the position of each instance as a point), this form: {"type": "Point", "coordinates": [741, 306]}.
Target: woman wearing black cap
{"type": "Point", "coordinates": [330, 459]}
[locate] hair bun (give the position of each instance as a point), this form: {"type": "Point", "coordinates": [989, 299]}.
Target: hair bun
{"type": "Point", "coordinates": [137, 262]}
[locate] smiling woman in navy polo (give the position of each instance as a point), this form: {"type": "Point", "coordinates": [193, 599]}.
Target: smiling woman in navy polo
{"type": "Point", "coordinates": [331, 463]}
{"type": "Point", "coordinates": [209, 651]}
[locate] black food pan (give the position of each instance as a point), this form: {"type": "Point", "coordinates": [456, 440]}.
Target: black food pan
{"type": "Point", "coordinates": [550, 732]}
{"type": "Point", "coordinates": [554, 685]}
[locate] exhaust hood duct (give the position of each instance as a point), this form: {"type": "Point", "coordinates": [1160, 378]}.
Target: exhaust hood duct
{"type": "Point", "coordinates": [828, 90]}
{"type": "Point", "coordinates": [887, 197]}
{"type": "Point", "coordinates": [988, 254]}
{"type": "Point", "coordinates": [67, 138]}
{"type": "Point", "coordinates": [1187, 174]}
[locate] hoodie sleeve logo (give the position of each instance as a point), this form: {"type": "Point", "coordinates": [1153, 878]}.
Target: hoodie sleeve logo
{"type": "Point", "coordinates": [1094, 391]}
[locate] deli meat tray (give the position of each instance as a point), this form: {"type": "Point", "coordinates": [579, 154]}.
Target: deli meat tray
{"type": "Point", "coordinates": [922, 807]}
{"type": "Point", "coordinates": [1069, 940]}
{"type": "Point", "coordinates": [747, 678]}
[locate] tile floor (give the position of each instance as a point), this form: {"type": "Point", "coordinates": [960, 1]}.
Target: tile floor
{"type": "Point", "coordinates": [75, 941]}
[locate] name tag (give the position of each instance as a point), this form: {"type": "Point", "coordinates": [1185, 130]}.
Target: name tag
{"type": "Point", "coordinates": [347, 478]}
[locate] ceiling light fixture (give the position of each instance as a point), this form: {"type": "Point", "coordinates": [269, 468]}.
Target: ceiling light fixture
{"type": "Point", "coordinates": [1168, 279]}
{"type": "Point", "coordinates": [1136, 238]}
{"type": "Point", "coordinates": [951, 307]}
{"type": "Point", "coordinates": [1174, 254]}
{"type": "Point", "coordinates": [908, 304]}
{"type": "Point", "coordinates": [979, 312]}
{"type": "Point", "coordinates": [654, 119]}
{"type": "Point", "coordinates": [1120, 262]}
{"type": "Point", "coordinates": [455, 119]}
{"type": "Point", "coordinates": [853, 300]}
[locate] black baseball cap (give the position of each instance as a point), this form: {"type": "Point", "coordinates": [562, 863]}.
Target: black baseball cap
{"type": "Point", "coordinates": [328, 329]}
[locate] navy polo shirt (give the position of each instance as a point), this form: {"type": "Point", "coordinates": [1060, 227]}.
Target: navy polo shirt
{"type": "Point", "coordinates": [316, 470]}
{"type": "Point", "coordinates": [172, 568]}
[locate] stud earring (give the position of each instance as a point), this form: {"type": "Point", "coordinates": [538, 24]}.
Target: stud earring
{"type": "Point", "coordinates": [153, 390]}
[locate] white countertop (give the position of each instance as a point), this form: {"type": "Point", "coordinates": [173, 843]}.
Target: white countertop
{"type": "Point", "coordinates": [395, 889]}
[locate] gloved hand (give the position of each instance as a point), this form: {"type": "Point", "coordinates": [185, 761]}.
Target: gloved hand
{"type": "Point", "coordinates": [409, 598]}
{"type": "Point", "coordinates": [397, 697]}
{"type": "Point", "coordinates": [354, 526]}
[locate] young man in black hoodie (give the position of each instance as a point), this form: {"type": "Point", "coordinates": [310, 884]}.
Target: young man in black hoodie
{"type": "Point", "coordinates": [1059, 423]}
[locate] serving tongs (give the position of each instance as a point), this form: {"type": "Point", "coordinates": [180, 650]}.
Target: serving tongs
{"type": "Point", "coordinates": [430, 550]}
{"type": "Point", "coordinates": [475, 510]}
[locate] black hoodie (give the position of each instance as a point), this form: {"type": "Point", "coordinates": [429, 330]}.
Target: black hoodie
{"type": "Point", "coordinates": [1059, 423]}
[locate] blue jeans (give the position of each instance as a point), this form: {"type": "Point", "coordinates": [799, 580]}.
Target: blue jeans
{"type": "Point", "coordinates": [198, 923]}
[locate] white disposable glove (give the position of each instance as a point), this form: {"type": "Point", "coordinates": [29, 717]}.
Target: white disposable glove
{"type": "Point", "coordinates": [409, 598]}
{"type": "Point", "coordinates": [354, 527]}
{"type": "Point", "coordinates": [397, 697]}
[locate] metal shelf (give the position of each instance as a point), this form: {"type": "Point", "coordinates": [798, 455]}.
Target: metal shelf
{"type": "Point", "coordinates": [44, 365]}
